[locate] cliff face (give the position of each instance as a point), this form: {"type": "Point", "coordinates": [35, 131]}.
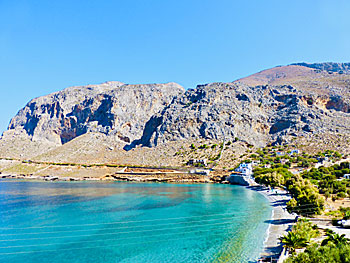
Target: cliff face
{"type": "Point", "coordinates": [112, 108]}
{"type": "Point", "coordinates": [274, 105]}
{"type": "Point", "coordinates": [257, 115]}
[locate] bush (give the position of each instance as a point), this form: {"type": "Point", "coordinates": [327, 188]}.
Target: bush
{"type": "Point", "coordinates": [322, 254]}
{"type": "Point", "coordinates": [341, 195]}
{"type": "Point", "coordinates": [204, 146]}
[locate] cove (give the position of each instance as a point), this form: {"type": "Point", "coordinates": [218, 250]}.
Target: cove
{"type": "Point", "coordinates": [130, 222]}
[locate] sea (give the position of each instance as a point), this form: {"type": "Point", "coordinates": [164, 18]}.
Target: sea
{"type": "Point", "coordinates": [58, 222]}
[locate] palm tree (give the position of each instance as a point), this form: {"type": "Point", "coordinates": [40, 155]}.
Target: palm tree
{"type": "Point", "coordinates": [293, 241]}
{"type": "Point", "coordinates": [334, 238]}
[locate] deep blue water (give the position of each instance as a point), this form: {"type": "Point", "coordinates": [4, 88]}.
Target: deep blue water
{"type": "Point", "coordinates": [130, 222]}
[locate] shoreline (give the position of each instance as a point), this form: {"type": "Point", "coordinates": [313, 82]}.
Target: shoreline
{"type": "Point", "coordinates": [280, 221]}
{"type": "Point", "coordinates": [175, 178]}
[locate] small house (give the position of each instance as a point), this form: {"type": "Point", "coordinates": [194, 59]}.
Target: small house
{"type": "Point", "coordinates": [294, 152]}
{"type": "Point", "coordinates": [245, 169]}
{"type": "Point", "coordinates": [196, 162]}
{"type": "Point", "coordinates": [346, 176]}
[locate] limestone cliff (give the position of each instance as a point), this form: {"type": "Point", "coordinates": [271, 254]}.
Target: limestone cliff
{"type": "Point", "coordinates": [112, 108]}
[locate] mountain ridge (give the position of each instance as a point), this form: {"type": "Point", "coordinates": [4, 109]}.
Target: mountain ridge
{"type": "Point", "coordinates": [271, 106]}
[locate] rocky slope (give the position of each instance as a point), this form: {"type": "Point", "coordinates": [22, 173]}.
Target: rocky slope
{"type": "Point", "coordinates": [273, 106]}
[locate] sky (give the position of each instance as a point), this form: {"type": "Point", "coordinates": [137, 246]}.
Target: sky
{"type": "Point", "coordinates": [47, 46]}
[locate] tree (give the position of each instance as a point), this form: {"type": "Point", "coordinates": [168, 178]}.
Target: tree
{"type": "Point", "coordinates": [293, 241]}
{"type": "Point", "coordinates": [323, 254]}
{"type": "Point", "coordinates": [327, 195]}
{"type": "Point", "coordinates": [335, 239]}
{"type": "Point", "coordinates": [270, 179]}
{"type": "Point", "coordinates": [308, 200]}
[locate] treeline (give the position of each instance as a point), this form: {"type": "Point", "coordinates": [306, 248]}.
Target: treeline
{"type": "Point", "coordinates": [273, 157]}
{"type": "Point", "coordinates": [334, 248]}
{"type": "Point", "coordinates": [305, 235]}
{"type": "Point", "coordinates": [327, 180]}
{"type": "Point", "coordinates": [306, 198]}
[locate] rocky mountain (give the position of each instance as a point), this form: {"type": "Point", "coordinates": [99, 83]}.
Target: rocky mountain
{"type": "Point", "coordinates": [257, 115]}
{"type": "Point", "coordinates": [272, 106]}
{"type": "Point", "coordinates": [112, 108]}
{"type": "Point", "coordinates": [342, 68]}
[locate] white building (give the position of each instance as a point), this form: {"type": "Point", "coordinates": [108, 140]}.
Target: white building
{"type": "Point", "coordinates": [294, 152]}
{"type": "Point", "coordinates": [245, 169]}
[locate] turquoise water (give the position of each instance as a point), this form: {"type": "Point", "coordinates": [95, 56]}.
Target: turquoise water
{"type": "Point", "coordinates": [130, 222]}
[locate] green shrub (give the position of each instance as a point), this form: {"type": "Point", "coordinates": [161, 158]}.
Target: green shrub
{"type": "Point", "coordinates": [322, 254]}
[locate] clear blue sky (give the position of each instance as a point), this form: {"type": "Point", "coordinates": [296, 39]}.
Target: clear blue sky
{"type": "Point", "coordinates": [49, 45]}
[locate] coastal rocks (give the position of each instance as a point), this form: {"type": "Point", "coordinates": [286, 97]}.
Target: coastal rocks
{"type": "Point", "coordinates": [240, 180]}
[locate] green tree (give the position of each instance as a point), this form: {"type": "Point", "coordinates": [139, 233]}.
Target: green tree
{"type": "Point", "coordinates": [334, 239]}
{"type": "Point", "coordinates": [273, 179]}
{"type": "Point", "coordinates": [293, 241]}
{"type": "Point", "coordinates": [323, 254]}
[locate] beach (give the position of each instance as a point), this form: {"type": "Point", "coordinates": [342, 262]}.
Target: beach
{"type": "Point", "coordinates": [281, 221]}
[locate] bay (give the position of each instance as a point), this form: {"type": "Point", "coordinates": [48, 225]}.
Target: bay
{"type": "Point", "coordinates": [130, 222]}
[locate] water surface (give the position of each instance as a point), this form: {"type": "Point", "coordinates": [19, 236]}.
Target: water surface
{"type": "Point", "coordinates": [130, 222]}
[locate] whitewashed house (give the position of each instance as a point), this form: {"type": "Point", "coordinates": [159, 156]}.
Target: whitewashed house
{"type": "Point", "coordinates": [294, 152]}
{"type": "Point", "coordinates": [245, 169]}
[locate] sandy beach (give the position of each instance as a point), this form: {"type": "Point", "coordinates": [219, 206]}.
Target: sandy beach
{"type": "Point", "coordinates": [281, 221]}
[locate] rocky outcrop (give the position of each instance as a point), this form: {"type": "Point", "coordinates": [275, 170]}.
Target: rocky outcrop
{"type": "Point", "coordinates": [328, 66]}
{"type": "Point", "coordinates": [112, 108]}
{"type": "Point", "coordinates": [212, 111]}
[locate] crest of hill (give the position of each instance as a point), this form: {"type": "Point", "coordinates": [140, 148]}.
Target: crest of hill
{"type": "Point", "coordinates": [322, 78]}
{"type": "Point", "coordinates": [277, 75]}
{"type": "Point", "coordinates": [342, 68]}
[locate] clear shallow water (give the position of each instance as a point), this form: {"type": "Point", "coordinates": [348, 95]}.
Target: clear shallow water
{"type": "Point", "coordinates": [130, 222]}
